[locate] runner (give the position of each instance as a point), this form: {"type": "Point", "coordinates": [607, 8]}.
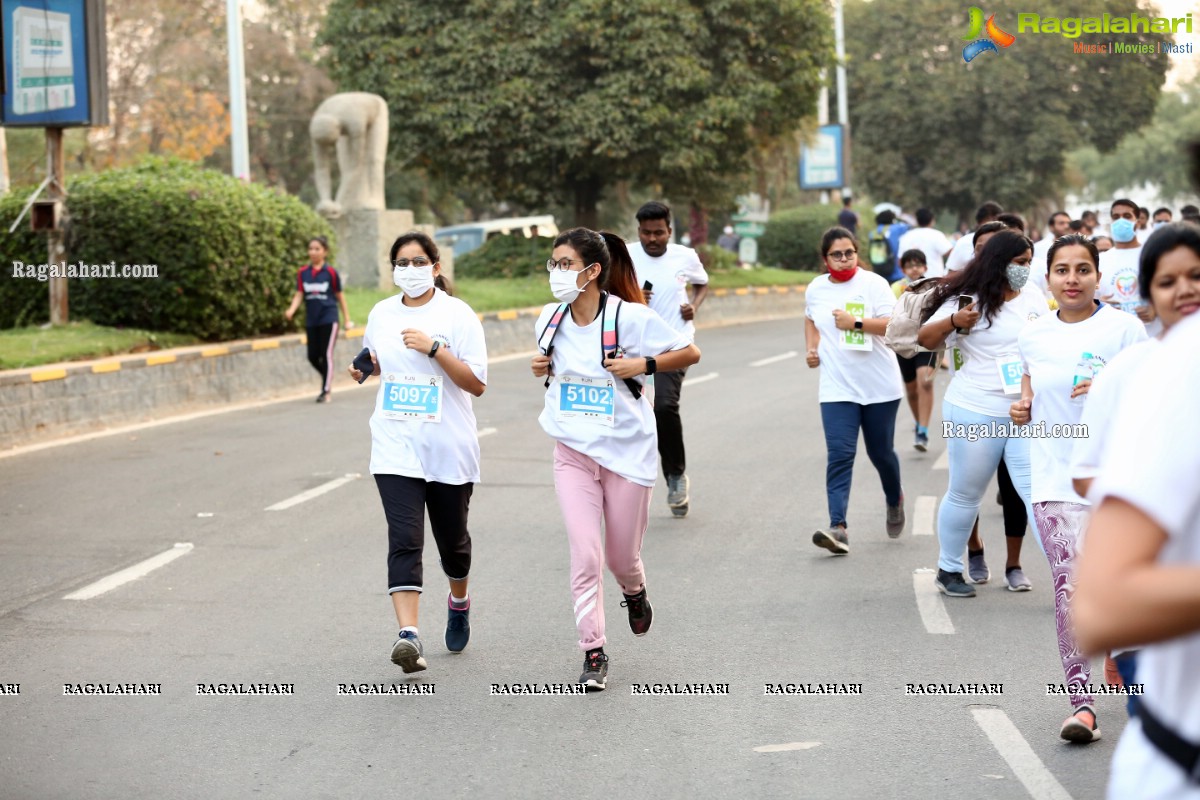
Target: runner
{"type": "Point", "coordinates": [917, 372]}
{"type": "Point", "coordinates": [428, 349]}
{"type": "Point", "coordinates": [964, 249]}
{"type": "Point", "coordinates": [1119, 268]}
{"type": "Point", "coordinates": [666, 271]}
{"type": "Point", "coordinates": [929, 240]}
{"type": "Point", "coordinates": [1061, 353]}
{"type": "Point", "coordinates": [1139, 579]}
{"type": "Point", "coordinates": [991, 303]}
{"type": "Point", "coordinates": [594, 350]}
{"type": "Point", "coordinates": [320, 287]}
{"type": "Point", "coordinates": [846, 314]}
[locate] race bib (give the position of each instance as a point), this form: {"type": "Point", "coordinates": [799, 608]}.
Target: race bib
{"type": "Point", "coordinates": [855, 339]}
{"type": "Point", "coordinates": [1010, 369]}
{"type": "Point", "coordinates": [585, 400]}
{"type": "Point", "coordinates": [957, 359]}
{"type": "Point", "coordinates": [415, 398]}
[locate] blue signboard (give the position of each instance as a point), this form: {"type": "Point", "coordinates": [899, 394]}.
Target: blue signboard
{"type": "Point", "coordinates": [822, 163]}
{"type": "Point", "coordinates": [46, 64]}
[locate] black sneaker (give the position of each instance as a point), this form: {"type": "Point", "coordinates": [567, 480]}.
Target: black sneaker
{"type": "Point", "coordinates": [323, 397]}
{"type": "Point", "coordinates": [834, 540]}
{"type": "Point", "coordinates": [595, 670]}
{"type": "Point", "coordinates": [952, 584]}
{"type": "Point", "coordinates": [458, 626]}
{"type": "Point", "coordinates": [407, 652]}
{"type": "Point", "coordinates": [640, 612]}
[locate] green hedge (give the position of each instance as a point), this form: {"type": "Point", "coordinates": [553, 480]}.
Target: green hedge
{"type": "Point", "coordinates": [505, 257]}
{"type": "Point", "coordinates": [226, 251]}
{"type": "Point", "coordinates": [23, 301]}
{"type": "Point", "coordinates": [793, 237]}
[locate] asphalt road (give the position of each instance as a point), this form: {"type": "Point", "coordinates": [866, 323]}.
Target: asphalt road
{"type": "Point", "coordinates": [297, 596]}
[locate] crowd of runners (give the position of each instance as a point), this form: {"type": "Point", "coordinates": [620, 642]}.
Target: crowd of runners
{"type": "Point", "coordinates": [1073, 378]}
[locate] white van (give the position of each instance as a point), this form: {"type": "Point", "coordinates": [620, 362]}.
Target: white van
{"type": "Point", "coordinates": [469, 236]}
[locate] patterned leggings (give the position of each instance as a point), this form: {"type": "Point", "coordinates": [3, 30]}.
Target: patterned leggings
{"type": "Point", "coordinates": [1060, 526]}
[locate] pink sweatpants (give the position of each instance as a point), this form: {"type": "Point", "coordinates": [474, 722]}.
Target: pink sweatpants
{"type": "Point", "coordinates": [593, 500]}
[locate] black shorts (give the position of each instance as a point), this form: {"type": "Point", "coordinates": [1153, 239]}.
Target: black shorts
{"type": "Point", "coordinates": [908, 366]}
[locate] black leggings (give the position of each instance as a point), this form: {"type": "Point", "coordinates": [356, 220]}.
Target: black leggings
{"type": "Point", "coordinates": [321, 340]}
{"type": "Point", "coordinates": [404, 503]}
{"type": "Point", "coordinates": [1015, 518]}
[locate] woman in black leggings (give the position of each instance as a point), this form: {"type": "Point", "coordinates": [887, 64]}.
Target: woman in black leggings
{"type": "Point", "coordinates": [1015, 522]}
{"type": "Point", "coordinates": [319, 285]}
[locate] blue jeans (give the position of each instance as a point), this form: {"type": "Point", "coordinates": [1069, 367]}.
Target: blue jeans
{"type": "Point", "coordinates": [842, 421]}
{"type": "Point", "coordinates": [972, 465]}
{"type": "Point", "coordinates": [1127, 665]}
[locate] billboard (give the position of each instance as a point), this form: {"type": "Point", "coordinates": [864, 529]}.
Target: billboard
{"type": "Point", "coordinates": [823, 164]}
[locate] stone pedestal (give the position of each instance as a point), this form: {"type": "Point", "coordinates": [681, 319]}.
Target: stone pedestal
{"type": "Point", "coordinates": [364, 239]}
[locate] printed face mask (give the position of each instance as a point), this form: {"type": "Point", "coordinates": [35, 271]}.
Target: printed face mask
{"type": "Point", "coordinates": [1018, 275]}
{"type": "Point", "coordinates": [562, 285]}
{"type": "Point", "coordinates": [1122, 230]}
{"type": "Point", "coordinates": [415, 281]}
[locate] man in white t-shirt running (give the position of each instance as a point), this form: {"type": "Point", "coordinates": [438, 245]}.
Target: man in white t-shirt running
{"type": "Point", "coordinates": [930, 241]}
{"type": "Point", "coordinates": [667, 271]}
{"type": "Point", "coordinates": [1119, 267]}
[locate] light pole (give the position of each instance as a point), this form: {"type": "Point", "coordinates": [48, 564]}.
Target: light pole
{"type": "Point", "coordinates": [237, 91]}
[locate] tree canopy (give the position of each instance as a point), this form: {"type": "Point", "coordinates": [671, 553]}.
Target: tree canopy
{"type": "Point", "coordinates": [929, 129]}
{"type": "Point", "coordinates": [546, 101]}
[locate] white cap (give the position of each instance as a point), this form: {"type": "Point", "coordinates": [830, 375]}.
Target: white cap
{"type": "Point", "coordinates": [728, 229]}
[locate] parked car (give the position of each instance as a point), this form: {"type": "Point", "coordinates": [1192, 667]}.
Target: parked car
{"type": "Point", "coordinates": [464, 238]}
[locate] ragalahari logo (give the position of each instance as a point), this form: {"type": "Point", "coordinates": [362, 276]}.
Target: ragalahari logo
{"type": "Point", "coordinates": [995, 36]}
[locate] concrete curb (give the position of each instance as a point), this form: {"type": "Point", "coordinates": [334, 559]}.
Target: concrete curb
{"type": "Point", "coordinates": [58, 400]}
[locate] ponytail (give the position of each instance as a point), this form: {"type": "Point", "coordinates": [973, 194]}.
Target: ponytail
{"type": "Point", "coordinates": [621, 279]}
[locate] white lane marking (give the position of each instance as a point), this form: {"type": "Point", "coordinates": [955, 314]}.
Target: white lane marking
{"type": "Point", "coordinates": [482, 432]}
{"type": "Point", "coordinates": [711, 376]}
{"type": "Point", "coordinates": [783, 748]}
{"type": "Point", "coordinates": [512, 357]}
{"type": "Point", "coordinates": [762, 362]}
{"type": "Point", "coordinates": [1025, 764]}
{"type": "Point", "coordinates": [929, 603]}
{"type": "Point", "coordinates": [316, 491]}
{"type": "Point", "coordinates": [128, 574]}
{"type": "Point", "coordinates": [923, 515]}
{"type": "Point", "coordinates": [943, 461]}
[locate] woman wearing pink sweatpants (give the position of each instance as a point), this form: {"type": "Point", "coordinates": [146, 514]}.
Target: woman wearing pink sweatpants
{"type": "Point", "coordinates": [595, 349]}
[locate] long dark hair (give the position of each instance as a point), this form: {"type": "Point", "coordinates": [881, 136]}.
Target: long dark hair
{"type": "Point", "coordinates": [621, 279]}
{"type": "Point", "coordinates": [985, 277]}
{"type": "Point", "coordinates": [1161, 242]}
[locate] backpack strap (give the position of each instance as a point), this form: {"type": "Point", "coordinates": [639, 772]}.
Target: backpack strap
{"type": "Point", "coordinates": [609, 340]}
{"type": "Point", "coordinates": [546, 339]}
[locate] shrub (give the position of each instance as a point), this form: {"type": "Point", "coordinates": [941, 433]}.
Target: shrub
{"type": "Point", "coordinates": [793, 237]}
{"type": "Point", "coordinates": [716, 259]}
{"type": "Point", "coordinates": [23, 301]}
{"type": "Point", "coordinates": [505, 257]}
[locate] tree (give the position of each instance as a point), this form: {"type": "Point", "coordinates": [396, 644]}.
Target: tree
{"type": "Point", "coordinates": [932, 130]}
{"type": "Point", "coordinates": [548, 101]}
{"type": "Point", "coordinates": [1155, 156]}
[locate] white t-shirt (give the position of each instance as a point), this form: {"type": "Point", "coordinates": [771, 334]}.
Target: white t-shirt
{"type": "Point", "coordinates": [930, 241]}
{"type": "Point", "coordinates": [1152, 463]}
{"type": "Point", "coordinates": [1100, 411]}
{"type": "Point", "coordinates": [1053, 352]}
{"type": "Point", "coordinates": [847, 374]}
{"type": "Point", "coordinates": [669, 276]}
{"type": "Point", "coordinates": [1119, 278]}
{"type": "Point", "coordinates": [439, 452]}
{"type": "Point", "coordinates": [1037, 267]}
{"type": "Point", "coordinates": [630, 447]}
{"type": "Point", "coordinates": [977, 386]}
{"type": "Point", "coordinates": [963, 252]}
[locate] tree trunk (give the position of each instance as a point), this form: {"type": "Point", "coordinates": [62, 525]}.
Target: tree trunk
{"type": "Point", "coordinates": [698, 225]}
{"type": "Point", "coordinates": [587, 198]}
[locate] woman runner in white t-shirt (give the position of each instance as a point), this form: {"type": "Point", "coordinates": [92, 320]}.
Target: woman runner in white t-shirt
{"type": "Point", "coordinates": [846, 314]}
{"type": "Point", "coordinates": [1061, 353]}
{"type": "Point", "coordinates": [606, 456]}
{"type": "Point", "coordinates": [996, 303]}
{"type": "Point", "coordinates": [428, 349]}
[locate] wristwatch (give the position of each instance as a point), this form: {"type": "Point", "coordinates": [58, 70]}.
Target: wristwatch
{"type": "Point", "coordinates": [433, 350]}
{"type": "Point", "coordinates": [858, 325]}
{"type": "Point", "coordinates": [651, 365]}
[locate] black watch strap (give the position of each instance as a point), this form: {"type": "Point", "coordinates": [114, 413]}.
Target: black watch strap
{"type": "Point", "coordinates": [858, 325]}
{"type": "Point", "coordinates": [433, 350]}
{"type": "Point", "coordinates": [651, 365]}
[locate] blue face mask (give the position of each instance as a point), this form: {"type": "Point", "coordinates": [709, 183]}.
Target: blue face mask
{"type": "Point", "coordinates": [1122, 230]}
{"type": "Point", "coordinates": [1018, 276]}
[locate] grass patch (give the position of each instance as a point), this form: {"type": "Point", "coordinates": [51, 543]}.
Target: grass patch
{"type": "Point", "coordinates": [33, 346]}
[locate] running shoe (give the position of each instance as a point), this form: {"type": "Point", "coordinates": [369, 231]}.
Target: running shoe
{"type": "Point", "coordinates": [895, 519]}
{"type": "Point", "coordinates": [640, 612]}
{"type": "Point", "coordinates": [921, 442]}
{"type": "Point", "coordinates": [323, 397]}
{"type": "Point", "coordinates": [952, 584]}
{"type": "Point", "coordinates": [1082, 727]}
{"type": "Point", "coordinates": [408, 653]}
{"type": "Point", "coordinates": [977, 568]}
{"type": "Point", "coordinates": [834, 540]}
{"type": "Point", "coordinates": [595, 670]}
{"type": "Point", "coordinates": [677, 494]}
{"type": "Point", "coordinates": [458, 626]}
{"type": "Point", "coordinates": [1017, 582]}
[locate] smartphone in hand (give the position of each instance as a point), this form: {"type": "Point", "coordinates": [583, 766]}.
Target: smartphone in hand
{"type": "Point", "coordinates": [964, 300]}
{"type": "Point", "coordinates": [647, 286]}
{"type": "Point", "coordinates": [363, 363]}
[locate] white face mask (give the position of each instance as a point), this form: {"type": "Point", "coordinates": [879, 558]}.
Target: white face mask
{"type": "Point", "coordinates": [415, 281]}
{"type": "Point", "coordinates": [563, 286]}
